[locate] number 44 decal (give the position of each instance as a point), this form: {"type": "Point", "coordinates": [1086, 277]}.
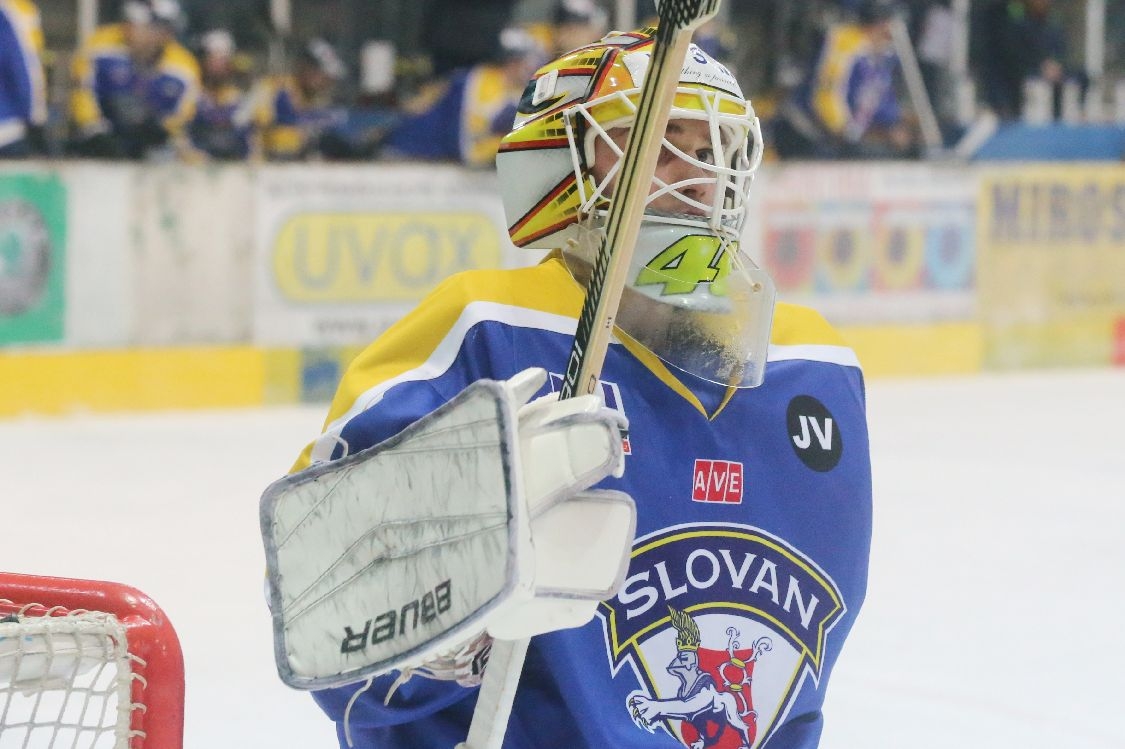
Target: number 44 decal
{"type": "Point", "coordinates": [689, 262]}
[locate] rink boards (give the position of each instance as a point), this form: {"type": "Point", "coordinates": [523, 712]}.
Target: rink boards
{"type": "Point", "coordinates": [124, 287]}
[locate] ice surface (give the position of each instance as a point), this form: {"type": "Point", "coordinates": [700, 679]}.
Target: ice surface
{"type": "Point", "coordinates": [997, 584]}
{"type": "Point", "coordinates": [998, 565]}
{"type": "Point", "coordinates": [169, 504]}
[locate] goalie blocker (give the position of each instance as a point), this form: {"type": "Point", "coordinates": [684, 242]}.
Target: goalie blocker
{"type": "Point", "coordinates": [374, 566]}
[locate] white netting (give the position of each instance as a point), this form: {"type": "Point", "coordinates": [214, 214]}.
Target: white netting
{"type": "Point", "coordinates": [65, 680]}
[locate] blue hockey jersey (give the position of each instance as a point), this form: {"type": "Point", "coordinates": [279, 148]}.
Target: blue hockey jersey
{"type": "Point", "coordinates": [23, 88]}
{"type": "Point", "coordinates": [853, 88]}
{"type": "Point", "coordinates": [112, 92]}
{"type": "Point", "coordinates": [292, 123]}
{"type": "Point", "coordinates": [462, 119]}
{"type": "Point", "coordinates": [754, 515]}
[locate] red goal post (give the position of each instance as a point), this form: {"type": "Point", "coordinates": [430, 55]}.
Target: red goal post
{"type": "Point", "coordinates": [87, 663]}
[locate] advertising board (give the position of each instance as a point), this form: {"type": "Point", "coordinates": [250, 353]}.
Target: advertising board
{"type": "Point", "coordinates": [1052, 265]}
{"type": "Point", "coordinates": [869, 243]}
{"type": "Point", "coordinates": [342, 254]}
{"type": "Point", "coordinates": [32, 258]}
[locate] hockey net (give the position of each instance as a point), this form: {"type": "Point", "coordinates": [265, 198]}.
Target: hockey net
{"type": "Point", "coordinates": [86, 665]}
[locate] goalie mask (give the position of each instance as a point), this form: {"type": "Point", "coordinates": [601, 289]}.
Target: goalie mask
{"type": "Point", "coordinates": [692, 297]}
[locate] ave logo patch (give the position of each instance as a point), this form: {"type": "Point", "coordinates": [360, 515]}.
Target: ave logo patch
{"type": "Point", "coordinates": [814, 433]}
{"type": "Point", "coordinates": [717, 481]}
{"type": "Point", "coordinates": [721, 625]}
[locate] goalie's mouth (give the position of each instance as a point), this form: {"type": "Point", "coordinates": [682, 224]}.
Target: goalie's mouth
{"type": "Point", "coordinates": [692, 212]}
{"type": "Point", "coordinates": [727, 227]}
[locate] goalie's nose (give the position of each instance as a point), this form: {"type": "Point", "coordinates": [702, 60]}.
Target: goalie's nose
{"type": "Point", "coordinates": [690, 189]}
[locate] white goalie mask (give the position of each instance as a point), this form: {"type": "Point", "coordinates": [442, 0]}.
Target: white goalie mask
{"type": "Point", "coordinates": [693, 297]}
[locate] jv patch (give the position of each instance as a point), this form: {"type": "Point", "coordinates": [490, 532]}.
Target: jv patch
{"type": "Point", "coordinates": [814, 433]}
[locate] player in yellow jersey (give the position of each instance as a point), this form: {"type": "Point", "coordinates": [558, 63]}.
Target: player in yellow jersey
{"type": "Point", "coordinates": [135, 87]}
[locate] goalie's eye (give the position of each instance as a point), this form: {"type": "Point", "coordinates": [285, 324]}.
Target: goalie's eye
{"type": "Point", "coordinates": [692, 139]}
{"type": "Point", "coordinates": [706, 155]}
{"type": "Point", "coordinates": [669, 156]}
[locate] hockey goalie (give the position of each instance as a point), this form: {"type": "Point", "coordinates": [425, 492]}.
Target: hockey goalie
{"type": "Point", "coordinates": [686, 548]}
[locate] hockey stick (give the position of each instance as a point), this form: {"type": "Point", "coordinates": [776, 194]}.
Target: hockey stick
{"type": "Point", "coordinates": [678, 19]}
{"type": "Point", "coordinates": [638, 164]}
{"type": "Point", "coordinates": [916, 86]}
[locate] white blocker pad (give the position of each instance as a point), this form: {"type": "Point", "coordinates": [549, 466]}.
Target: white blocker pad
{"type": "Point", "coordinates": [459, 523]}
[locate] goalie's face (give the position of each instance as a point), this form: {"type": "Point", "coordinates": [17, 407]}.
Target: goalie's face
{"type": "Point", "coordinates": [684, 182]}
{"type": "Point", "coordinates": [704, 171]}
{"type": "Point", "coordinates": [692, 297]}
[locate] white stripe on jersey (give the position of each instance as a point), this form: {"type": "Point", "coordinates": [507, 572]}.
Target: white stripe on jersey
{"type": "Point", "coordinates": [841, 355]}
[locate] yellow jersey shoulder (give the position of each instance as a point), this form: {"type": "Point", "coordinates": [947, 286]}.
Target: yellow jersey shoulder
{"type": "Point", "coordinates": [107, 40]}
{"type": "Point", "coordinates": [795, 325]}
{"type": "Point", "coordinates": [178, 61]}
{"type": "Point", "coordinates": [545, 287]}
{"type": "Point", "coordinates": [25, 16]}
{"type": "Point", "coordinates": [23, 7]}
